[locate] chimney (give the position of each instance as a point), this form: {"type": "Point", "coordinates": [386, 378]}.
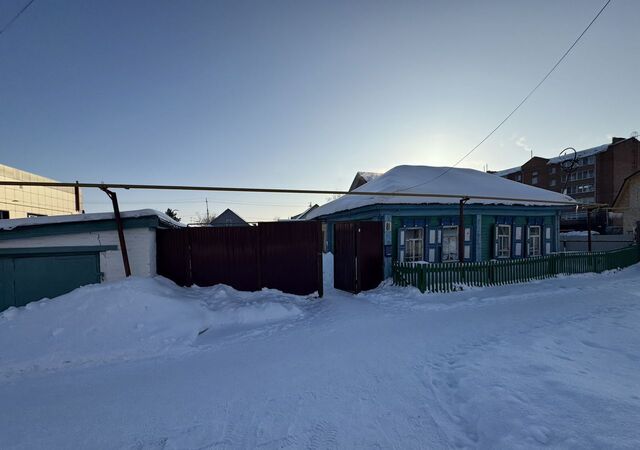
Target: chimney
{"type": "Point", "coordinates": [616, 140]}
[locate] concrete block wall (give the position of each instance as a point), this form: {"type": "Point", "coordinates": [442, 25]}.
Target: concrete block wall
{"type": "Point", "coordinates": [141, 246]}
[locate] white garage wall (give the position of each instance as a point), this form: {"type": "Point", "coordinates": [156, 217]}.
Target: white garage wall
{"type": "Point", "coordinates": [141, 246]}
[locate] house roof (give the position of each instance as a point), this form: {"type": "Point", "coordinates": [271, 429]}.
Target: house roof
{"type": "Point", "coordinates": [624, 184]}
{"type": "Point", "coordinates": [228, 217]}
{"type": "Point", "coordinates": [303, 214]}
{"type": "Point", "coordinates": [428, 180]}
{"type": "Point", "coordinates": [10, 224]}
{"type": "Point", "coordinates": [580, 154]}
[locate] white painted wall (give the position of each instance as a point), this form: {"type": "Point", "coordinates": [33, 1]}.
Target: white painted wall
{"type": "Point", "coordinates": [141, 246]}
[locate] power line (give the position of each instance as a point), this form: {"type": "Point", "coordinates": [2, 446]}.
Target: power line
{"type": "Point", "coordinates": [24, 8]}
{"type": "Point", "coordinates": [519, 104]}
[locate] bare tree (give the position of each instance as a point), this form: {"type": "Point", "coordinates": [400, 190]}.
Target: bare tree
{"type": "Point", "coordinates": [204, 218]}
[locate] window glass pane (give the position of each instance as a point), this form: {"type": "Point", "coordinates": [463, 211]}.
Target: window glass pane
{"type": "Point", "coordinates": [414, 244]}
{"type": "Point", "coordinates": [534, 240]}
{"type": "Point", "coordinates": [449, 244]}
{"type": "Point", "coordinates": [504, 241]}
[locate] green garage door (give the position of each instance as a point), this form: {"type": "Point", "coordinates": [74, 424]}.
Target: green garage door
{"type": "Point", "coordinates": [27, 278]}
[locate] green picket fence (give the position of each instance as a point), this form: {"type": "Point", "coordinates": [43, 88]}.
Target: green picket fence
{"type": "Point", "coordinates": [445, 277]}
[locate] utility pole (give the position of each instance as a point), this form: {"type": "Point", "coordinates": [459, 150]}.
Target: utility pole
{"type": "Point", "coordinates": [206, 200]}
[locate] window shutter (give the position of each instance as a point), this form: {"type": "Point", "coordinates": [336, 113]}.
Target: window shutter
{"type": "Point", "coordinates": [401, 245]}
{"type": "Point", "coordinates": [494, 254]}
{"type": "Point", "coordinates": [547, 240]}
{"type": "Point", "coordinates": [432, 244]}
{"type": "Point", "coordinates": [468, 243]}
{"type": "Point", "coordinates": [519, 250]}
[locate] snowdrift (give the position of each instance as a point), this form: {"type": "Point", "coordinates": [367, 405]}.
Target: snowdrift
{"type": "Point", "coordinates": [129, 319]}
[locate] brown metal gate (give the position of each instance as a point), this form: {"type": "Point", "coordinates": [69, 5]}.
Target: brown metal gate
{"type": "Point", "coordinates": [358, 256]}
{"type": "Point", "coordinates": [279, 255]}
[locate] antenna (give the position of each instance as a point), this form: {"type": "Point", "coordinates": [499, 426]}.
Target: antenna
{"type": "Point", "coordinates": [206, 200]}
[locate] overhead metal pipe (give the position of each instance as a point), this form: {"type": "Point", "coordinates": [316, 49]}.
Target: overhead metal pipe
{"type": "Point", "coordinates": [278, 191]}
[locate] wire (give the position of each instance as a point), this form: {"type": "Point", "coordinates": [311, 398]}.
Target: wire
{"type": "Point", "coordinates": [24, 8]}
{"type": "Point", "coordinates": [519, 104]}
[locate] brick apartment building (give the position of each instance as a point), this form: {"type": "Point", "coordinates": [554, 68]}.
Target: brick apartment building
{"type": "Point", "coordinates": [597, 177]}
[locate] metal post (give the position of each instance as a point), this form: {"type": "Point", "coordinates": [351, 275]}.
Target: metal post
{"type": "Point", "coordinates": [76, 191]}
{"type": "Point", "coordinates": [589, 230]}
{"type": "Point", "coordinates": [461, 230]}
{"type": "Point", "coordinates": [123, 244]}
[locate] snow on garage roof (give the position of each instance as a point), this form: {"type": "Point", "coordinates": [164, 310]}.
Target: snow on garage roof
{"type": "Point", "coordinates": [457, 183]}
{"type": "Point", "coordinates": [10, 224]}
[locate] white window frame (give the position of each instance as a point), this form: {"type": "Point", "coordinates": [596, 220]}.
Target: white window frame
{"type": "Point", "coordinates": [413, 244]}
{"type": "Point", "coordinates": [446, 255]}
{"type": "Point", "coordinates": [533, 249]}
{"type": "Point", "coordinates": [503, 252]}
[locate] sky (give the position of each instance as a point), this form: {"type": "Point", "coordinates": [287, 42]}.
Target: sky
{"type": "Point", "coordinates": [296, 94]}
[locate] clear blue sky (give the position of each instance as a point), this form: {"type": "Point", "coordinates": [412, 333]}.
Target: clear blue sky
{"type": "Point", "coordinates": [302, 94]}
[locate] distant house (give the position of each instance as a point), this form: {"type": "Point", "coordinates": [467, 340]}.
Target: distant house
{"type": "Point", "coordinates": [303, 215]}
{"type": "Point", "coordinates": [627, 203]}
{"type": "Point", "coordinates": [228, 219]}
{"type": "Point", "coordinates": [363, 178]}
{"type": "Point", "coordinates": [426, 228]}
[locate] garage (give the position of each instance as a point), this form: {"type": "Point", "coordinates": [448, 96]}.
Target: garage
{"type": "Point", "coordinates": [28, 274]}
{"type": "Point", "coordinates": [50, 256]}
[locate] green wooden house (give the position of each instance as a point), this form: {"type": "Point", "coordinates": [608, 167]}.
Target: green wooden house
{"type": "Point", "coordinates": [502, 218]}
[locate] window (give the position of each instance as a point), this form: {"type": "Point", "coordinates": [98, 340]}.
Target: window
{"type": "Point", "coordinates": [591, 160]}
{"type": "Point", "coordinates": [552, 170]}
{"type": "Point", "coordinates": [552, 182]}
{"type": "Point", "coordinates": [35, 215]}
{"type": "Point", "coordinates": [503, 241]}
{"type": "Point", "coordinates": [4, 214]}
{"type": "Point", "coordinates": [534, 178]}
{"type": "Point", "coordinates": [563, 178]}
{"type": "Point", "coordinates": [533, 243]}
{"type": "Point", "coordinates": [449, 244]}
{"type": "Point", "coordinates": [519, 177]}
{"type": "Point", "coordinates": [414, 244]}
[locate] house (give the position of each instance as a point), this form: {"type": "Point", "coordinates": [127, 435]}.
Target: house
{"type": "Point", "coordinates": [228, 219]}
{"type": "Point", "coordinates": [426, 228]}
{"type": "Point", "coordinates": [627, 204]}
{"type": "Point", "coordinates": [597, 176]}
{"type": "Point", "coordinates": [362, 178]}
{"type": "Point", "coordinates": [49, 256]}
{"type": "Point", "coordinates": [33, 201]}
{"type": "Point", "coordinates": [303, 215]}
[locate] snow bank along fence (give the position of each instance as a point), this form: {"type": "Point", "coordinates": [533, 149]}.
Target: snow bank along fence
{"type": "Point", "coordinates": [278, 255]}
{"type": "Point", "coordinates": [447, 277]}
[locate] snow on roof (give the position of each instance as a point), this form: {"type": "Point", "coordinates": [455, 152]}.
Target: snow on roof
{"type": "Point", "coordinates": [569, 155]}
{"type": "Point", "coordinates": [457, 182]}
{"type": "Point", "coordinates": [368, 176]}
{"type": "Point", "coordinates": [505, 172]}
{"type": "Point", "coordinates": [580, 154]}
{"type": "Point", "coordinates": [10, 224]}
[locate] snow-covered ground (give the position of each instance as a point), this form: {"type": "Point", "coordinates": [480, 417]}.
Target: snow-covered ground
{"type": "Point", "coordinates": [144, 364]}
